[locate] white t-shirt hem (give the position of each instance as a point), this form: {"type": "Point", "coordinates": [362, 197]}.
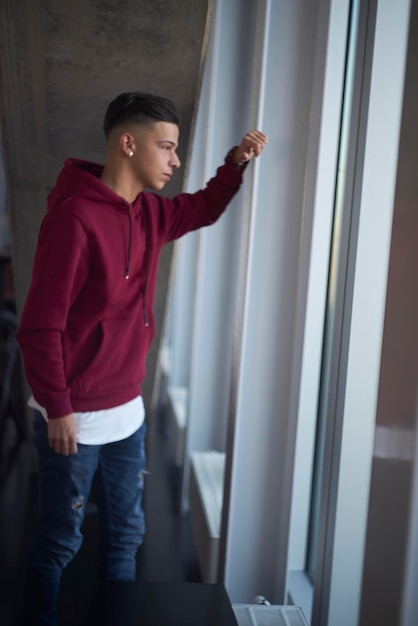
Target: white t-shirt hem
{"type": "Point", "coordinates": [106, 425]}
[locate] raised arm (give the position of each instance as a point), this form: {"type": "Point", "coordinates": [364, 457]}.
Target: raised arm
{"type": "Point", "coordinates": [187, 212]}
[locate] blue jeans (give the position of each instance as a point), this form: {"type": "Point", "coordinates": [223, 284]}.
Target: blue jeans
{"type": "Point", "coordinates": [64, 488]}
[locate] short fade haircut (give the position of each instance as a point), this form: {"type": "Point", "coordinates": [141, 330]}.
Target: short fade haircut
{"type": "Point", "coordinates": [139, 108]}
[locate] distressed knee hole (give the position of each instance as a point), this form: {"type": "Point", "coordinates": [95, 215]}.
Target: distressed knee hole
{"type": "Point", "coordinates": [77, 503]}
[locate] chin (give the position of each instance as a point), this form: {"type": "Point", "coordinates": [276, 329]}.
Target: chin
{"type": "Point", "coordinates": [157, 186]}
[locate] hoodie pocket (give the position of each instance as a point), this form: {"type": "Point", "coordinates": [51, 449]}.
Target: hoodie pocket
{"type": "Point", "coordinates": [119, 361]}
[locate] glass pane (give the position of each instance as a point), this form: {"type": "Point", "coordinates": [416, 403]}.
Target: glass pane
{"type": "Point", "coordinates": [338, 260]}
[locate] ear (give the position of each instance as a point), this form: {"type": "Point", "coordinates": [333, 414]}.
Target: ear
{"type": "Point", "coordinates": [127, 144]}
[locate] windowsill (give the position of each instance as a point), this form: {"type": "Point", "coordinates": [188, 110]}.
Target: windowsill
{"type": "Point", "coordinates": [178, 398]}
{"type": "Point", "coordinates": [300, 592]}
{"type": "Point", "coordinates": [177, 411]}
{"type": "Point", "coordinates": [209, 470]}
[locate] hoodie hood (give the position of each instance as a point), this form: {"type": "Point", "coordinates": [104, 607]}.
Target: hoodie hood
{"type": "Point", "coordinates": [81, 179]}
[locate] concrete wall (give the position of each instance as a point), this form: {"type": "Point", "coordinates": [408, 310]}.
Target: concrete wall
{"type": "Point", "coordinates": [61, 64]}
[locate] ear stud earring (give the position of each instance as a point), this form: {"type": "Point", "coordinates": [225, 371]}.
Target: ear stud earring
{"type": "Point", "coordinates": [130, 153]}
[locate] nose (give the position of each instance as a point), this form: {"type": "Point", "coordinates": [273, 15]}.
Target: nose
{"type": "Point", "coordinates": [175, 161]}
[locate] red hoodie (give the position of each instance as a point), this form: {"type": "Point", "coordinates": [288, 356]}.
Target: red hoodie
{"type": "Point", "coordinates": [87, 323]}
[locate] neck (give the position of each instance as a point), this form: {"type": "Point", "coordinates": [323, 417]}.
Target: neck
{"type": "Point", "coordinates": [121, 182]}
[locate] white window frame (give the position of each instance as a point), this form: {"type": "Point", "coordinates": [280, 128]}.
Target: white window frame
{"type": "Point", "coordinates": [341, 592]}
{"type": "Point", "coordinates": [320, 188]}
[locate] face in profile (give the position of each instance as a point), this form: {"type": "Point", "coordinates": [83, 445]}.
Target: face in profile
{"type": "Point", "coordinates": [155, 157]}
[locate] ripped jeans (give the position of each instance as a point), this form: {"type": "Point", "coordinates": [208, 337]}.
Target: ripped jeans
{"type": "Point", "coordinates": [64, 488]}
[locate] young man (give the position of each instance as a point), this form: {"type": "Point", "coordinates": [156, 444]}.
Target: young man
{"type": "Point", "coordinates": [87, 326]}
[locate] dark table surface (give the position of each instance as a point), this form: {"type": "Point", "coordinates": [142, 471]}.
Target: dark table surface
{"type": "Point", "coordinates": [160, 604]}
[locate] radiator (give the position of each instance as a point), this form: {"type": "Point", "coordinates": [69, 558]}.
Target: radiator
{"type": "Point", "coordinates": [261, 615]}
{"type": "Point", "coordinates": [206, 498]}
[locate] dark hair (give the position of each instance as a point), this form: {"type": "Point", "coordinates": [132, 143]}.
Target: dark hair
{"type": "Point", "coordinates": [139, 108]}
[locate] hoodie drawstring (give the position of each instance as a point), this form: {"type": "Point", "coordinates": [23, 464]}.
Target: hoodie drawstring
{"type": "Point", "coordinates": [144, 293]}
{"type": "Point", "coordinates": [128, 267]}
